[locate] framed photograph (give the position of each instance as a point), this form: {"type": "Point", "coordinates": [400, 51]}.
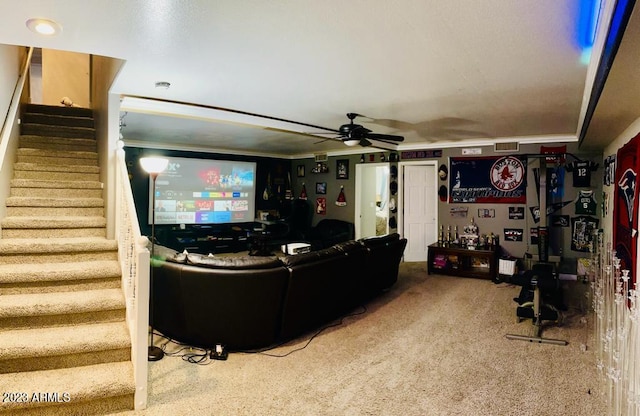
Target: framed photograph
{"type": "Point", "coordinates": [342, 169]}
{"type": "Point", "coordinates": [321, 188]}
{"type": "Point", "coordinates": [300, 171]}
{"type": "Point", "coordinates": [516, 213]}
{"type": "Point", "coordinates": [486, 213]}
{"type": "Point", "coordinates": [321, 206]}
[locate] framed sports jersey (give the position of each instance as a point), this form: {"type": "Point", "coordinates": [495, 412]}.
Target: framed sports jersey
{"type": "Point", "coordinates": [581, 172]}
{"type": "Point", "coordinates": [586, 203]}
{"type": "Point", "coordinates": [609, 175]}
{"type": "Point", "coordinates": [583, 229]}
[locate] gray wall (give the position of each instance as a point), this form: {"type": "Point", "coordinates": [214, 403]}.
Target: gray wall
{"type": "Point", "coordinates": [561, 236]}
{"type": "Point", "coordinates": [346, 213]}
{"type": "Point", "coordinates": [560, 243]}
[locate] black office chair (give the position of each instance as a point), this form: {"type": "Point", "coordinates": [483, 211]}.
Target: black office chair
{"type": "Point", "coordinates": [540, 300]}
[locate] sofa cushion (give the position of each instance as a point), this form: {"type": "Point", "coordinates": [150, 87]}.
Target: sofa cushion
{"type": "Point", "coordinates": [349, 246]}
{"type": "Point", "coordinates": [235, 263]}
{"type": "Point", "coordinates": [298, 259]}
{"type": "Point", "coordinates": [380, 240]}
{"type": "Point", "coordinates": [167, 254]}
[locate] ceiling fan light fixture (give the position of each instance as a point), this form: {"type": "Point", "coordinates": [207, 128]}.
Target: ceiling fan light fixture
{"type": "Point", "coordinates": [352, 142]}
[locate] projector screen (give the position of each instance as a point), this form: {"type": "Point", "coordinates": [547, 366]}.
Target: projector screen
{"type": "Point", "coordinates": [204, 191]}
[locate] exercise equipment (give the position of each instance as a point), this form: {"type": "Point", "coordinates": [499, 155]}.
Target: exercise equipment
{"type": "Point", "coordinates": [540, 300]}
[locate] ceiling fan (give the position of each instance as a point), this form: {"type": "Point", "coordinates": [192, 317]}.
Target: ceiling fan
{"type": "Point", "coordinates": [352, 134]}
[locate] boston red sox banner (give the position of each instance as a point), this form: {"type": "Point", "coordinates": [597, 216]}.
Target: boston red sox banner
{"type": "Point", "coordinates": [490, 179]}
{"type": "Point", "coordinates": [625, 207]}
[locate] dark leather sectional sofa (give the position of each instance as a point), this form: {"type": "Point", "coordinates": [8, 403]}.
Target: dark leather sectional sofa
{"type": "Point", "coordinates": [254, 302]}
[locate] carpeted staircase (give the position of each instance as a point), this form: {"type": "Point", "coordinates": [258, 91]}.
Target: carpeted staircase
{"type": "Point", "coordinates": [64, 343]}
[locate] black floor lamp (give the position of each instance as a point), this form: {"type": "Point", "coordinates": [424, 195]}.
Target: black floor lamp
{"type": "Point", "coordinates": [153, 166]}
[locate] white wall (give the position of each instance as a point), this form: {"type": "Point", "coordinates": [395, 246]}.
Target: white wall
{"type": "Point", "coordinates": [106, 108]}
{"type": "Point", "coordinates": [9, 73]}
{"type": "Point", "coordinates": [10, 59]}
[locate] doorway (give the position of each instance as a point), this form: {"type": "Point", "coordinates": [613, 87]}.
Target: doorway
{"type": "Point", "coordinates": [418, 217]}
{"type": "Point", "coordinates": [372, 200]}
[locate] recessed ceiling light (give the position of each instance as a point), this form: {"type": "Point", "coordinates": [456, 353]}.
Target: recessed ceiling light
{"type": "Point", "coordinates": [44, 27]}
{"type": "Point", "coordinates": [163, 84]}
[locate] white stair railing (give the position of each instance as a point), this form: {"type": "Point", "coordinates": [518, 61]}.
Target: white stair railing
{"type": "Point", "coordinates": [134, 263]}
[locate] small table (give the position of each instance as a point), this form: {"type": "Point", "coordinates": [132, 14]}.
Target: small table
{"type": "Point", "coordinates": [457, 260]}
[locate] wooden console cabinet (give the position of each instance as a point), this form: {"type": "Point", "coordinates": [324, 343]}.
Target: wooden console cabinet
{"type": "Point", "coordinates": [457, 260]}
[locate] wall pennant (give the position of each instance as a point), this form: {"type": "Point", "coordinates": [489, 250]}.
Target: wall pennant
{"type": "Point", "coordinates": [342, 200]}
{"type": "Point", "coordinates": [303, 192]}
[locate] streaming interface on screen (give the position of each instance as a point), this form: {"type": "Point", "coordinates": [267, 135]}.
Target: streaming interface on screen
{"type": "Point", "coordinates": [205, 191]}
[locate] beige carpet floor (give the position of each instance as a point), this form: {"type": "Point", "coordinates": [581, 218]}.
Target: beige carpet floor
{"type": "Point", "coordinates": [432, 345]}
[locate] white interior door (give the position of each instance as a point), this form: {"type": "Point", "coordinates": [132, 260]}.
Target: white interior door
{"type": "Point", "coordinates": [420, 205]}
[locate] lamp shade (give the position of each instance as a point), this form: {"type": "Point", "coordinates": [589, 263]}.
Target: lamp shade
{"type": "Point", "coordinates": [154, 164]}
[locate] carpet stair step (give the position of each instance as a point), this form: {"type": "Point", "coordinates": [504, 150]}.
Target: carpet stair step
{"type": "Point", "coordinates": [55, 192]}
{"type": "Point", "coordinates": [50, 222]}
{"type": "Point", "coordinates": [56, 250]}
{"type": "Point", "coordinates": [63, 347]}
{"type": "Point", "coordinates": [58, 143]}
{"type": "Point", "coordinates": [52, 309]}
{"type": "Point", "coordinates": [56, 157]}
{"type": "Point", "coordinates": [58, 277]}
{"type": "Point", "coordinates": [67, 120]}
{"type": "Point", "coordinates": [94, 389]}
{"type": "Point", "coordinates": [57, 131]}
{"type": "Point", "coordinates": [55, 245]}
{"type": "Point", "coordinates": [54, 211]}
{"type": "Point", "coordinates": [31, 108]}
{"type": "Point", "coordinates": [55, 184]}
{"type": "Point", "coordinates": [22, 201]}
{"type": "Point", "coordinates": [49, 160]}
{"type": "Point", "coordinates": [55, 176]}
{"type": "Point", "coordinates": [40, 167]}
{"type": "Point", "coordinates": [74, 154]}
{"type": "Point", "coordinates": [44, 233]}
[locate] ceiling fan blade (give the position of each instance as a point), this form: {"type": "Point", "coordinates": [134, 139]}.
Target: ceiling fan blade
{"type": "Point", "coordinates": [382, 146]}
{"type": "Point", "coordinates": [389, 142]}
{"type": "Point", "coordinates": [383, 137]}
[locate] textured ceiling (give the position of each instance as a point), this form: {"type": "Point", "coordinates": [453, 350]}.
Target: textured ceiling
{"type": "Point", "coordinates": [440, 73]}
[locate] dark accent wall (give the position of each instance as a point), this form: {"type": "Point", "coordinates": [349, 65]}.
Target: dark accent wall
{"type": "Point", "coordinates": [277, 170]}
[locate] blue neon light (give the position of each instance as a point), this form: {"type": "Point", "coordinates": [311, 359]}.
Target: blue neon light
{"type": "Point", "coordinates": [588, 23]}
